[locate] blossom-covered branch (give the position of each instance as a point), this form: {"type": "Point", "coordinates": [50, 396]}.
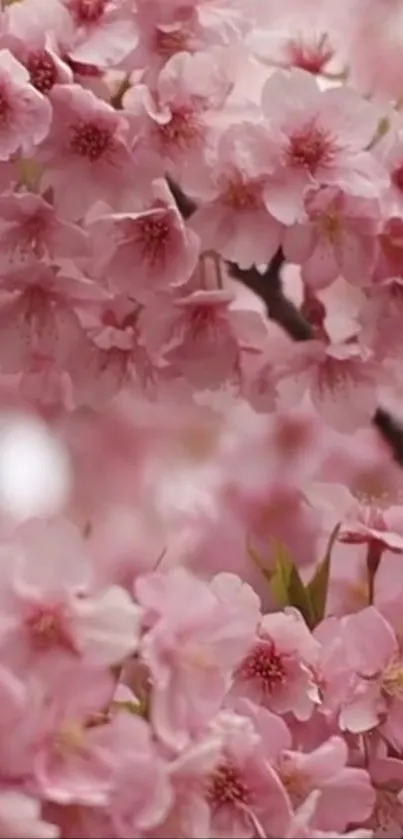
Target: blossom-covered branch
{"type": "Point", "coordinates": [201, 492]}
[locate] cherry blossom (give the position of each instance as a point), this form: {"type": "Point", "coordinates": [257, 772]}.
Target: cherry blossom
{"type": "Point", "coordinates": [201, 419]}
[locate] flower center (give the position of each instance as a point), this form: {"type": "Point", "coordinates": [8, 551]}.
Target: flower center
{"type": "Point", "coordinates": [264, 665]}
{"type": "Point", "coordinates": [370, 487]}
{"type": "Point", "coordinates": [202, 318]}
{"type": "Point", "coordinates": [89, 140]}
{"type": "Point", "coordinates": [310, 148]}
{"type": "Point", "coordinates": [169, 43]}
{"type": "Point", "coordinates": [295, 782]}
{"type": "Point", "coordinates": [47, 629]}
{"type": "Point", "coordinates": [42, 71]}
{"type": "Point", "coordinates": [330, 226]}
{"type": "Point", "coordinates": [69, 738]}
{"type": "Point", "coordinates": [225, 786]}
{"type": "Point", "coordinates": [240, 196]}
{"type": "Point", "coordinates": [183, 130]}
{"type": "Point", "coordinates": [311, 57]}
{"type": "Point", "coordinates": [154, 236]}
{"type": "Point", "coordinates": [88, 11]}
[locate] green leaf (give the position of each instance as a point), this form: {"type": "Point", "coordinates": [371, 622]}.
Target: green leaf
{"type": "Point", "coordinates": [281, 576]}
{"type": "Point", "coordinates": [287, 586]}
{"type": "Point", "coordinates": [318, 587]}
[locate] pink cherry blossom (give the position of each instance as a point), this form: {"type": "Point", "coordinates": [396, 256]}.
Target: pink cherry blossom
{"type": "Point", "coordinates": [325, 769]}
{"type": "Point", "coordinates": [178, 117]}
{"type": "Point", "coordinates": [150, 250]}
{"type": "Point", "coordinates": [192, 653]}
{"type": "Point", "coordinates": [30, 229]}
{"type": "Point", "coordinates": [87, 143]}
{"type": "Point", "coordinates": [279, 669]}
{"type": "Point", "coordinates": [338, 238]}
{"type": "Point", "coordinates": [233, 219]}
{"type": "Point", "coordinates": [26, 114]}
{"type": "Point", "coordinates": [243, 791]}
{"type": "Point", "coordinates": [334, 376]}
{"type": "Point", "coordinates": [52, 607]}
{"type": "Point", "coordinates": [316, 138]}
{"type": "Point", "coordinates": [20, 817]}
{"type": "Point", "coordinates": [101, 35]}
{"type": "Point", "coordinates": [376, 696]}
{"type": "Point", "coordinates": [201, 419]}
{"type": "Point", "coordinates": [196, 335]}
{"type": "Point", "coordinates": [36, 317]}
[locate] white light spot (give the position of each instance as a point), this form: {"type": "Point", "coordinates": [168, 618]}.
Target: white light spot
{"type": "Point", "coordinates": [35, 476]}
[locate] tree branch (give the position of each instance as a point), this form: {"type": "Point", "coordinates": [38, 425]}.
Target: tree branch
{"type": "Point", "coordinates": [391, 431]}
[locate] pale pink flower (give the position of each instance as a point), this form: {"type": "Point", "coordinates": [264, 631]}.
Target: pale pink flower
{"type": "Point", "coordinates": [301, 826]}
{"type": "Point", "coordinates": [20, 817]}
{"type": "Point", "coordinates": [134, 754]}
{"type": "Point", "coordinates": [190, 812]}
{"type": "Point", "coordinates": [198, 636]}
{"type": "Point", "coordinates": [372, 528]}
{"type": "Point", "coordinates": [25, 113]}
{"type": "Point", "coordinates": [288, 38]}
{"type": "Point", "coordinates": [168, 29]}
{"type": "Point", "coordinates": [103, 32]}
{"type": "Point", "coordinates": [279, 668]}
{"type": "Point", "coordinates": [325, 769]}
{"type": "Point", "coordinates": [148, 250]}
{"type": "Point", "coordinates": [98, 374]}
{"type": "Point", "coordinates": [316, 137]}
{"type": "Point", "coordinates": [386, 820]}
{"type": "Point", "coordinates": [374, 48]}
{"type": "Point", "coordinates": [37, 317]}
{"type": "Point", "coordinates": [52, 609]}
{"type": "Point", "coordinates": [340, 379]}
{"type": "Point", "coordinates": [245, 795]}
{"type": "Point", "coordinates": [375, 697]}
{"type": "Point", "coordinates": [177, 119]}
{"type": "Point", "coordinates": [259, 379]}
{"type": "Point", "coordinates": [31, 230]}
{"type": "Point", "coordinates": [196, 335]}
{"type": "Point", "coordinates": [37, 49]}
{"type": "Point", "coordinates": [233, 219]}
{"type": "Point", "coordinates": [16, 727]}
{"type": "Point", "coordinates": [112, 356]}
{"type": "Point", "coordinates": [72, 745]}
{"type": "Point", "coordinates": [32, 22]}
{"type": "Point", "coordinates": [88, 145]}
{"type": "Point", "coordinates": [339, 237]}
{"type": "Point", "coordinates": [348, 586]}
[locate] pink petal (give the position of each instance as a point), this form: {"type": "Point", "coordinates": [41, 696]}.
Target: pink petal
{"type": "Point", "coordinates": [321, 268]}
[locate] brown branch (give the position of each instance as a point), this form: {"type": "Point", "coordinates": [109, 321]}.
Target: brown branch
{"type": "Point", "coordinates": [268, 287]}
{"type": "Point", "coordinates": [391, 431]}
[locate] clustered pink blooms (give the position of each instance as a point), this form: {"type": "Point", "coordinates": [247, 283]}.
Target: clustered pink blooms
{"type": "Point", "coordinates": [201, 525]}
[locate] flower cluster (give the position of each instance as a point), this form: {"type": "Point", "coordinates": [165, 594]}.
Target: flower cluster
{"type": "Point", "coordinates": [201, 492]}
